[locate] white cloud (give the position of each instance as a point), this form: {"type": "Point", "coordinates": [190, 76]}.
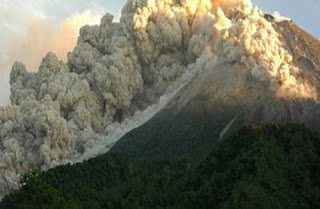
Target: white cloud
{"type": "Point", "coordinates": [30, 30]}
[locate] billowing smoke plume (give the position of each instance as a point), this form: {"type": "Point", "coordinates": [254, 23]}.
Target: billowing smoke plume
{"type": "Point", "coordinates": [117, 69]}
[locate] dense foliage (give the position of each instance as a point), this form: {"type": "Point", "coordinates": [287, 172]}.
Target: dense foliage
{"type": "Point", "coordinates": [273, 166]}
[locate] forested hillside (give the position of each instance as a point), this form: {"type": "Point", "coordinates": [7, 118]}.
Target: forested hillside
{"type": "Point", "coordinates": [272, 166]}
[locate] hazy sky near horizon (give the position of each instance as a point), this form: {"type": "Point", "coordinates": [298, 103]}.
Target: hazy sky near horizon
{"type": "Point", "coordinates": [30, 28]}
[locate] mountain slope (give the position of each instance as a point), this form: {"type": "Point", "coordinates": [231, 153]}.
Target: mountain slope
{"type": "Point", "coordinates": [221, 99]}
{"type": "Point", "coordinates": [272, 166]}
{"type": "Point", "coordinates": [186, 129]}
{"type": "Point", "coordinates": [301, 44]}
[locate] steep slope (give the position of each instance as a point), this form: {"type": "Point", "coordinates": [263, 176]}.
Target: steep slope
{"type": "Point", "coordinates": [304, 47]}
{"type": "Point", "coordinates": [190, 125]}
{"type": "Point", "coordinates": [222, 99]}
{"type": "Point", "coordinates": [272, 166]}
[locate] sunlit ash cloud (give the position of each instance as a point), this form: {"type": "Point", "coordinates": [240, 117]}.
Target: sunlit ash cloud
{"type": "Point", "coordinates": [42, 36]}
{"type": "Point", "coordinates": [39, 36]}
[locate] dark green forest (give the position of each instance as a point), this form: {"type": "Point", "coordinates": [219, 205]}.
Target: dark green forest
{"type": "Point", "coordinates": [269, 167]}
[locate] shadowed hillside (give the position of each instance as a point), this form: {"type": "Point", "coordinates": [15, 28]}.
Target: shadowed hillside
{"type": "Point", "coordinates": [272, 167]}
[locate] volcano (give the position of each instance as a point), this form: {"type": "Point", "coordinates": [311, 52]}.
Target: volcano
{"type": "Point", "coordinates": [173, 78]}
{"type": "Point", "coordinates": [222, 99]}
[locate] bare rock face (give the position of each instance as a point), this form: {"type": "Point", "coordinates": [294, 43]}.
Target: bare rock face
{"type": "Point", "coordinates": [248, 69]}
{"type": "Point", "coordinates": [261, 101]}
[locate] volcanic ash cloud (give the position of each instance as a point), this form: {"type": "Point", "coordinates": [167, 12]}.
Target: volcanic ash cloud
{"type": "Point", "coordinates": [117, 69]}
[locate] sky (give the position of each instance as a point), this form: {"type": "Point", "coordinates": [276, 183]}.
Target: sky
{"type": "Point", "coordinates": [306, 13]}
{"type": "Point", "coordinates": [31, 28]}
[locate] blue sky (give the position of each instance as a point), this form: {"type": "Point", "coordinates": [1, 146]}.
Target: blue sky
{"type": "Point", "coordinates": [306, 13]}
